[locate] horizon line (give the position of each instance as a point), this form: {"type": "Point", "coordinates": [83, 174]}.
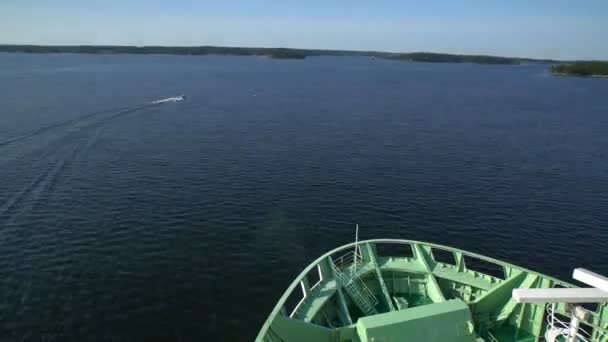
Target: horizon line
{"type": "Point", "coordinates": [296, 49]}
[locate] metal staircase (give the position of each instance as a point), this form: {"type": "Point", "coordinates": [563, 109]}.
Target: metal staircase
{"type": "Point", "coordinates": [347, 270]}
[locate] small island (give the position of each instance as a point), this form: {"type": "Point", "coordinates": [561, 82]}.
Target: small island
{"type": "Point", "coordinates": [584, 69]}
{"type": "Point", "coordinates": [450, 58]}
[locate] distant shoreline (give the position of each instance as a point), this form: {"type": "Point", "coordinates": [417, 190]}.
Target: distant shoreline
{"type": "Point", "coordinates": [279, 53]}
{"type": "Point", "coordinates": [557, 74]}
{"type": "Point", "coordinates": [596, 69]}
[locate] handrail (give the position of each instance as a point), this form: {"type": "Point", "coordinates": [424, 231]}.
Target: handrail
{"type": "Point", "coordinates": [293, 312]}
{"type": "Point", "coordinates": [364, 293]}
{"type": "Point", "coordinates": [564, 327]}
{"type": "Point", "coordinates": [348, 262]}
{"type": "Point", "coordinates": [346, 272]}
{"type": "Point", "coordinates": [281, 302]}
{"type": "Point", "coordinates": [492, 338]}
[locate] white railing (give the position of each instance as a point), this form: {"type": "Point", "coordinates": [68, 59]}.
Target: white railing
{"type": "Point", "coordinates": [561, 330]}
{"type": "Point", "coordinates": [293, 312]}
{"type": "Point", "coordinates": [492, 338]}
{"type": "Point", "coordinates": [362, 295]}
{"type": "Point", "coordinates": [349, 263]}
{"type": "Point", "coordinates": [314, 286]}
{"type": "Point", "coordinates": [347, 270]}
{"type": "Point", "coordinates": [304, 296]}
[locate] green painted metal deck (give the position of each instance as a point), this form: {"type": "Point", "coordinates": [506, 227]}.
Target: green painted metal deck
{"type": "Point", "coordinates": [419, 292]}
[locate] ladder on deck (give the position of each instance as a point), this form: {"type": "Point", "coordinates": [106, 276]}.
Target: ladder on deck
{"type": "Point", "coordinates": [347, 271]}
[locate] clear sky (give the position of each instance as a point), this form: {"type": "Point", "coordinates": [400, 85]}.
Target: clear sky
{"type": "Point", "coordinates": [565, 29]}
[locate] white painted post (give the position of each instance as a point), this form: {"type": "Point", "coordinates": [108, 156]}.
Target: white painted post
{"type": "Point", "coordinates": [578, 314]}
{"type": "Point", "coordinates": [573, 329]}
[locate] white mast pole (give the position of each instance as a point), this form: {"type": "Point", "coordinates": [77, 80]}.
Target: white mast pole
{"type": "Point", "coordinates": [356, 236]}
{"type": "Point", "coordinates": [356, 246]}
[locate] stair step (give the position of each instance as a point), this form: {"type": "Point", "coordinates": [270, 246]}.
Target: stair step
{"type": "Point", "coordinates": [351, 280]}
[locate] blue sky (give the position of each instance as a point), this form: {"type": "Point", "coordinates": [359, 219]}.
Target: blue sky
{"type": "Point", "coordinates": [566, 29]}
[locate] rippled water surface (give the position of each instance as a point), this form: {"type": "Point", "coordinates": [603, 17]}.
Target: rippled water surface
{"type": "Point", "coordinates": [125, 221]}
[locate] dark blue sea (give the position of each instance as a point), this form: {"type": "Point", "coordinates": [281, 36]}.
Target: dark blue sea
{"type": "Point", "coordinates": [186, 221]}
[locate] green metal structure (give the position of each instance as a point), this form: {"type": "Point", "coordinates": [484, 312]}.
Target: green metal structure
{"type": "Point", "coordinates": [402, 290]}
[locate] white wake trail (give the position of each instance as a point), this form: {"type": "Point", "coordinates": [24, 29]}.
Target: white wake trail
{"type": "Point", "coordinates": [169, 99]}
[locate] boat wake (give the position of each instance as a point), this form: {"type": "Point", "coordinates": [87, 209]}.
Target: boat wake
{"type": "Point", "coordinates": [39, 161]}
{"type": "Point", "coordinates": [101, 116]}
{"type": "Point", "coordinates": [169, 99]}
{"type": "Point", "coordinates": [60, 124]}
